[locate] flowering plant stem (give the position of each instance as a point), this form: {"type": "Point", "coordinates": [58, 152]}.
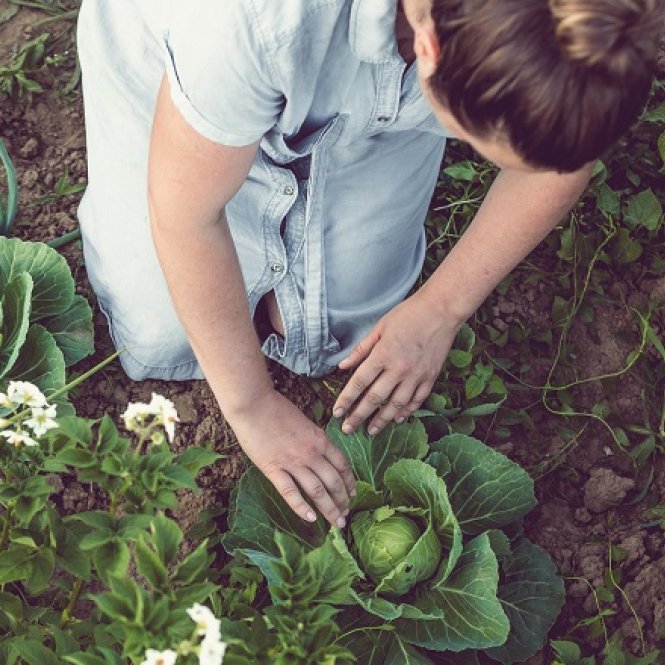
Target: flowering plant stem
{"type": "Point", "coordinates": [73, 599]}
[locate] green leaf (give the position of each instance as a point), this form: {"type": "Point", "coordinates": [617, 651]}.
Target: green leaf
{"type": "Point", "coordinates": [645, 209]}
{"type": "Point", "coordinates": [53, 289]}
{"type": "Point", "coordinates": [486, 489]}
{"type": "Point", "coordinates": [532, 594]}
{"type": "Point", "coordinates": [150, 565]}
{"type": "Point", "coordinates": [474, 386]}
{"type": "Point", "coordinates": [465, 171]}
{"type": "Point", "coordinates": [112, 559]}
{"type": "Point", "coordinates": [624, 248]}
{"type": "Point", "coordinates": [15, 317]}
{"type": "Point", "coordinates": [72, 330]}
{"type": "Point", "coordinates": [257, 509]}
{"type": "Point", "coordinates": [608, 201]}
{"type": "Point", "coordinates": [370, 457]}
{"type": "Point", "coordinates": [483, 409]}
{"type": "Point", "coordinates": [82, 658]}
{"type": "Point", "coordinates": [401, 653]}
{"type": "Point", "coordinates": [190, 569]}
{"type": "Point", "coordinates": [167, 537]}
{"type": "Point", "coordinates": [14, 564]}
{"type": "Point", "coordinates": [77, 429]}
{"type": "Point", "coordinates": [661, 146]}
{"type": "Point", "coordinates": [34, 653]}
{"type": "Point", "coordinates": [114, 606]}
{"type": "Point", "coordinates": [41, 571]}
{"type": "Point", "coordinates": [97, 519]}
{"type": "Point", "coordinates": [473, 616]}
{"type": "Point", "coordinates": [334, 568]}
{"type": "Point", "coordinates": [40, 361]}
{"type": "Point", "coordinates": [195, 459]}
{"type": "Point", "coordinates": [656, 115]}
{"type": "Point", "coordinates": [96, 539]}
{"type": "Point", "coordinates": [460, 359]}
{"type": "Point", "coordinates": [76, 457]}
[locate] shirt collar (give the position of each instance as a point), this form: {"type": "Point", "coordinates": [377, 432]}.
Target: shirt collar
{"type": "Point", "coordinates": [372, 30]}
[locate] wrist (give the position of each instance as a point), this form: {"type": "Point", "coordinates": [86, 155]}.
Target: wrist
{"type": "Point", "coordinates": [448, 307]}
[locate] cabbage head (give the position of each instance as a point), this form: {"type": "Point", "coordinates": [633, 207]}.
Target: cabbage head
{"type": "Point", "coordinates": [389, 545]}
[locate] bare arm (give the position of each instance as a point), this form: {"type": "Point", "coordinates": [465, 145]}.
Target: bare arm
{"type": "Point", "coordinates": [402, 356]}
{"type": "Point", "coordinates": [190, 181]}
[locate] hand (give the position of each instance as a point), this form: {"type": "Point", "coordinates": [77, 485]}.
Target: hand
{"type": "Point", "coordinates": [398, 362]}
{"type": "Point", "coordinates": [288, 448]}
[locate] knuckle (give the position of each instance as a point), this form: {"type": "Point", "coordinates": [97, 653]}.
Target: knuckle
{"type": "Point", "coordinates": [398, 404]}
{"type": "Point", "coordinates": [374, 398]}
{"type": "Point", "coordinates": [289, 491]}
{"type": "Point", "coordinates": [358, 384]}
{"type": "Point", "coordinates": [337, 485]}
{"type": "Point", "coordinates": [318, 491]}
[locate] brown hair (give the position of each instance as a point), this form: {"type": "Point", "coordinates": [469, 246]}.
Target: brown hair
{"type": "Point", "coordinates": [561, 79]}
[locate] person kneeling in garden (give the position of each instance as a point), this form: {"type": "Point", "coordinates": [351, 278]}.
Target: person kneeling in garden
{"type": "Point", "coordinates": [253, 153]}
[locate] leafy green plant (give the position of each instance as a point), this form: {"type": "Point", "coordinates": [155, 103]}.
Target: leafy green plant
{"type": "Point", "coordinates": [47, 561]}
{"type": "Point", "coordinates": [9, 205]}
{"type": "Point", "coordinates": [16, 77]}
{"type": "Point", "coordinates": [44, 325]}
{"type": "Point", "coordinates": [432, 557]}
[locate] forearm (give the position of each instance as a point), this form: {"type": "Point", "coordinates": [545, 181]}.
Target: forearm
{"type": "Point", "coordinates": [518, 212]}
{"type": "Point", "coordinates": [204, 278]}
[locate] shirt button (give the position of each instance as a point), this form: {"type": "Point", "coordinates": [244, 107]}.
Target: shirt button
{"type": "Point", "coordinates": [289, 191]}
{"type": "Point", "coordinates": [277, 267]}
{"type": "Point", "coordinates": [383, 119]}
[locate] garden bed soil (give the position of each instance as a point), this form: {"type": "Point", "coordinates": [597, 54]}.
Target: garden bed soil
{"type": "Point", "coordinates": [585, 503]}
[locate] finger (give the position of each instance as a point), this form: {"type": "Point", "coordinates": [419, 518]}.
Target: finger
{"type": "Point", "coordinates": [315, 488]}
{"type": "Point", "coordinates": [285, 485]}
{"type": "Point", "coordinates": [361, 380]}
{"type": "Point", "coordinates": [334, 483]}
{"type": "Point", "coordinates": [421, 394]}
{"type": "Point", "coordinates": [400, 398]}
{"type": "Point", "coordinates": [374, 398]}
{"type": "Point", "coordinates": [362, 350]}
{"type": "Point", "coordinates": [338, 459]}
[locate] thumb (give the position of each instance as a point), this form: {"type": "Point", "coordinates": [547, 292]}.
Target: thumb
{"type": "Point", "coordinates": [362, 350]}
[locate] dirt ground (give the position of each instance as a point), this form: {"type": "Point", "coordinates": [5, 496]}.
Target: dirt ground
{"type": "Point", "coordinates": [586, 504]}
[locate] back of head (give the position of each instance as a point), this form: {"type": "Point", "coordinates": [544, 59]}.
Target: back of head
{"type": "Point", "coordinates": [562, 79]}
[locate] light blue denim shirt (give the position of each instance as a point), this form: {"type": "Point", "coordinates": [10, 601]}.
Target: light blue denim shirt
{"type": "Point", "coordinates": [331, 214]}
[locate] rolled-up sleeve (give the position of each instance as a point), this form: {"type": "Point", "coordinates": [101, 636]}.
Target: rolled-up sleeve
{"type": "Point", "coordinates": [221, 79]}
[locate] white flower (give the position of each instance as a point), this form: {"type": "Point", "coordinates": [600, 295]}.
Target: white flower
{"type": "Point", "coordinates": [136, 414]}
{"type": "Point", "coordinates": [204, 619]}
{"type": "Point", "coordinates": [212, 651]}
{"type": "Point", "coordinates": [3, 422]}
{"type": "Point", "coordinates": [42, 420]}
{"type": "Point", "coordinates": [6, 402]}
{"type": "Point", "coordinates": [17, 439]}
{"type": "Point", "coordinates": [22, 392]}
{"type": "Point", "coordinates": [165, 411]}
{"type": "Point", "coordinates": [153, 657]}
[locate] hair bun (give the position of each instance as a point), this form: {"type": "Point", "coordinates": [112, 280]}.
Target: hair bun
{"type": "Point", "coordinates": [608, 32]}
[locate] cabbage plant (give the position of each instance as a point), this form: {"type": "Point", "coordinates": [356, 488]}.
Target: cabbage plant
{"type": "Point", "coordinates": [44, 325]}
{"type": "Point", "coordinates": [433, 557]}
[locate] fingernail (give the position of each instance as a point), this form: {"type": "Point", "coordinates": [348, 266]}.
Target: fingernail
{"type": "Point", "coordinates": [341, 522]}
{"type": "Point", "coordinates": [400, 420]}
{"type": "Point", "coordinates": [338, 413]}
{"type": "Point", "coordinates": [352, 492]}
{"type": "Point", "coordinates": [347, 428]}
{"type": "Point", "coordinates": [373, 430]}
{"type": "Point", "coordinates": [346, 512]}
{"type": "Point", "coordinates": [311, 516]}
